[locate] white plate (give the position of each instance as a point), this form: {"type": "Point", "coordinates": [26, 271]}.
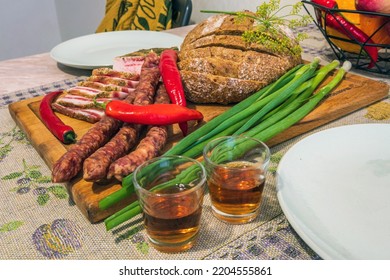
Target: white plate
{"type": "Point", "coordinates": [334, 188]}
{"type": "Point", "coordinates": [100, 49]}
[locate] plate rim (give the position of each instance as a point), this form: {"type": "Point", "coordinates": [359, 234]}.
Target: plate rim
{"type": "Point", "coordinates": [54, 50]}
{"type": "Point", "coordinates": [324, 253]}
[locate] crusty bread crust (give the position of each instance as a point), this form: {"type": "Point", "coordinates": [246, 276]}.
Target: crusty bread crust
{"type": "Point", "coordinates": [218, 66]}
{"type": "Point", "coordinates": [208, 88]}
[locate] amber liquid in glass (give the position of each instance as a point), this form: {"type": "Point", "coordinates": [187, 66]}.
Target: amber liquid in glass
{"type": "Point", "coordinates": [173, 222]}
{"type": "Point", "coordinates": [236, 190]}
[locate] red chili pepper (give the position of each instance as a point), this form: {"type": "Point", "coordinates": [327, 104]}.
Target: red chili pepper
{"type": "Point", "coordinates": [338, 22]}
{"type": "Point", "coordinates": [63, 132]}
{"type": "Point", "coordinates": [154, 114]}
{"type": "Point", "coordinates": [331, 4]}
{"type": "Point", "coordinates": [172, 81]}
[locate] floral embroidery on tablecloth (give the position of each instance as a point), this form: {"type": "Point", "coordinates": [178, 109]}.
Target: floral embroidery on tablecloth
{"type": "Point", "coordinates": [137, 238]}
{"type": "Point", "coordinates": [58, 239]}
{"type": "Point", "coordinates": [10, 226]}
{"type": "Point", "coordinates": [273, 240]}
{"type": "Point", "coordinates": [31, 180]}
{"type": "Point", "coordinates": [7, 138]}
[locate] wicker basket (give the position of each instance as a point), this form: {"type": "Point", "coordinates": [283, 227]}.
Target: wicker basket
{"type": "Point", "coordinates": [351, 49]}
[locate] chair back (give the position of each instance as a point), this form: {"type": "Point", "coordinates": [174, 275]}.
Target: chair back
{"type": "Point", "coordinates": [181, 12]}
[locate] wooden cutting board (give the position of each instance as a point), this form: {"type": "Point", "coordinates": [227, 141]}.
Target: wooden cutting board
{"type": "Point", "coordinates": [353, 93]}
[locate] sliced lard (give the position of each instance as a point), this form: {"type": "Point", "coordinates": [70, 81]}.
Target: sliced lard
{"type": "Point", "coordinates": [114, 73]}
{"type": "Point", "coordinates": [105, 87]}
{"type": "Point", "coordinates": [95, 93]}
{"type": "Point", "coordinates": [132, 64]}
{"type": "Point", "coordinates": [78, 101]}
{"type": "Point", "coordinates": [89, 115]}
{"type": "Point", "coordinates": [113, 81]}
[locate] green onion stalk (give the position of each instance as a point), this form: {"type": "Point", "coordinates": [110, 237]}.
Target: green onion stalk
{"type": "Point", "coordinates": [301, 112]}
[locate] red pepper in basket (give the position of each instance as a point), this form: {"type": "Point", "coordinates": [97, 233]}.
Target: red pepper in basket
{"type": "Point", "coordinates": [63, 132]}
{"type": "Point", "coordinates": [339, 23]}
{"type": "Point", "coordinates": [172, 80]}
{"type": "Point", "coordinates": [154, 114]}
{"type": "Point", "coordinates": [331, 4]}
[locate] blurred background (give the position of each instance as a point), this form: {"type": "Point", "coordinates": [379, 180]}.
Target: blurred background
{"type": "Point", "coordinates": [30, 27]}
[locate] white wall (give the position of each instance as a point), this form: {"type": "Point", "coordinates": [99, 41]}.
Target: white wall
{"type": "Point", "coordinates": [78, 17]}
{"type": "Point", "coordinates": [221, 5]}
{"type": "Point", "coordinates": [230, 5]}
{"type": "Point", "coordinates": [27, 27]}
{"type": "Point", "coordinates": [35, 26]}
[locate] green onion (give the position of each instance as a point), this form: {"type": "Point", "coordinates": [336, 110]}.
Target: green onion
{"type": "Point", "coordinates": [297, 102]}
{"type": "Point", "coordinates": [297, 115]}
{"type": "Point", "coordinates": [123, 215]}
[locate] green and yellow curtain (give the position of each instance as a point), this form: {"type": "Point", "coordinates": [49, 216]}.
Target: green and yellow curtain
{"type": "Point", "coordinates": [136, 15]}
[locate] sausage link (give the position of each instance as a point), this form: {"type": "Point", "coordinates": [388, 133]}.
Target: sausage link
{"type": "Point", "coordinates": [151, 74]}
{"type": "Point", "coordinates": [70, 163]}
{"type": "Point", "coordinates": [96, 166]}
{"type": "Point", "coordinates": [149, 147]}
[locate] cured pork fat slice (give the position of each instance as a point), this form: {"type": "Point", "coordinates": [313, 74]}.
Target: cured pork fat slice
{"type": "Point", "coordinates": [95, 93]}
{"type": "Point", "coordinates": [104, 85]}
{"type": "Point", "coordinates": [90, 115]}
{"type": "Point", "coordinates": [113, 81]}
{"type": "Point", "coordinates": [132, 64]}
{"type": "Point", "coordinates": [78, 101]}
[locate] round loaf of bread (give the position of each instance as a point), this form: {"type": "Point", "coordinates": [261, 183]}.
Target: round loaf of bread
{"type": "Point", "coordinates": [218, 66]}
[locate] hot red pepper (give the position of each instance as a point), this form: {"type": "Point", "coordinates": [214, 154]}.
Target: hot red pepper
{"type": "Point", "coordinates": [63, 132]}
{"type": "Point", "coordinates": [154, 114]}
{"type": "Point", "coordinates": [172, 81]}
{"type": "Point", "coordinates": [331, 4]}
{"type": "Point", "coordinates": [339, 23]}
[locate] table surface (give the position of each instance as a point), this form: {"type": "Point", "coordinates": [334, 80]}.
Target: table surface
{"type": "Point", "coordinates": [38, 220]}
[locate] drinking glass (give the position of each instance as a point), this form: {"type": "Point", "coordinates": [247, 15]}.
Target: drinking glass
{"type": "Point", "coordinates": [236, 169]}
{"type": "Point", "coordinates": [170, 190]}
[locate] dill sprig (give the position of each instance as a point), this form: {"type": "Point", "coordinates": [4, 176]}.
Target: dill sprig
{"type": "Point", "coordinates": [267, 31]}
